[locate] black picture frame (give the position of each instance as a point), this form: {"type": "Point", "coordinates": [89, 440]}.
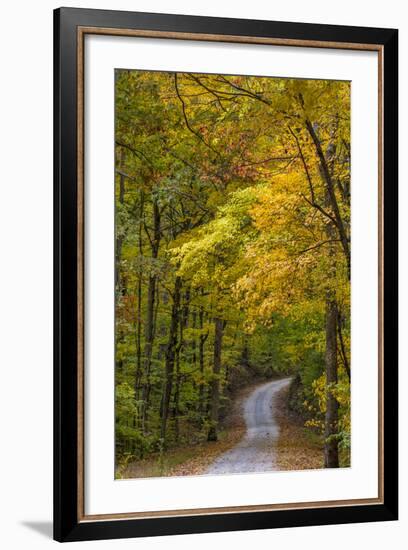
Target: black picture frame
{"type": "Point", "coordinates": [67, 525]}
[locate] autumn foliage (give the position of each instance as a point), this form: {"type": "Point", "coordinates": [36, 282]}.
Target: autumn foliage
{"type": "Point", "coordinates": [232, 253]}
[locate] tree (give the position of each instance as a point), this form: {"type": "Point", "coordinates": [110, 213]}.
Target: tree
{"type": "Point", "coordinates": [232, 251]}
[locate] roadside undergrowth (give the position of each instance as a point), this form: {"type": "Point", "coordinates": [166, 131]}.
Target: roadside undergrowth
{"type": "Point", "coordinates": [298, 447]}
{"type": "Point", "coordinates": [192, 459]}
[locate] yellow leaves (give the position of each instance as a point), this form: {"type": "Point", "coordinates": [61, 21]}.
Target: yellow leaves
{"type": "Point", "coordinates": [268, 244]}
{"type": "Point", "coordinates": [341, 391]}
{"type": "Point", "coordinates": [316, 424]}
{"type": "Point", "coordinates": [211, 256]}
{"type": "Point", "coordinates": [214, 199]}
{"type": "Point", "coordinates": [291, 261]}
{"type": "Point", "coordinates": [319, 389]}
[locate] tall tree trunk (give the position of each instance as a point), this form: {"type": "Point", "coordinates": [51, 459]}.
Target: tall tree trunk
{"type": "Point", "coordinates": [201, 344]}
{"type": "Point", "coordinates": [215, 382]}
{"type": "Point", "coordinates": [170, 357]}
{"type": "Point", "coordinates": [343, 351]}
{"type": "Point", "coordinates": [150, 309]}
{"type": "Point", "coordinates": [331, 195]}
{"type": "Point", "coordinates": [138, 370]}
{"type": "Point", "coordinates": [148, 386]}
{"type": "Point", "coordinates": [331, 445]}
{"type": "Point", "coordinates": [331, 451]}
{"type": "Point", "coordinates": [186, 308]}
{"type": "Point", "coordinates": [177, 389]}
{"type": "Point", "coordinates": [179, 349]}
{"type": "Point", "coordinates": [120, 237]}
{"type": "Point", "coordinates": [176, 401]}
{"type": "Point", "coordinates": [118, 257]}
{"type": "Point", "coordinates": [193, 340]}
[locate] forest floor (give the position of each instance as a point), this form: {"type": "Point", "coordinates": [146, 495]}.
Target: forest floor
{"type": "Point", "coordinates": [290, 447]}
{"type": "Point", "coordinates": [194, 459]}
{"type": "Point", "coordinates": [298, 447]}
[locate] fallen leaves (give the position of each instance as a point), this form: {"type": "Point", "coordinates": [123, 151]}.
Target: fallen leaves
{"type": "Point", "coordinates": [297, 448]}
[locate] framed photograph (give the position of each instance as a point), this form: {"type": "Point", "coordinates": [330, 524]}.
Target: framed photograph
{"type": "Point", "coordinates": [225, 274]}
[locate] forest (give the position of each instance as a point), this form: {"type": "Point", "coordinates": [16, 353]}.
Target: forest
{"type": "Point", "coordinates": [232, 255]}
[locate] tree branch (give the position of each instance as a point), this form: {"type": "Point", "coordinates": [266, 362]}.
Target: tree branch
{"type": "Point", "coordinates": [331, 193]}
{"type": "Point", "coordinates": [136, 152]}
{"type": "Point", "coordinates": [183, 105]}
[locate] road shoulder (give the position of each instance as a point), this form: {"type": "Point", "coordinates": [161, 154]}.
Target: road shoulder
{"type": "Point", "coordinates": [297, 448]}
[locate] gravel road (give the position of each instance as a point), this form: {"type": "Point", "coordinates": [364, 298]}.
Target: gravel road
{"type": "Point", "coordinates": [254, 453]}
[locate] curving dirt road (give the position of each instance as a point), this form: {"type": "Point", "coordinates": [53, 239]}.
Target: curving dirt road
{"type": "Point", "coordinates": [254, 453]}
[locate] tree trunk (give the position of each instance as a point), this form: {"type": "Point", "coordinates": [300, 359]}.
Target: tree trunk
{"type": "Point", "coordinates": [170, 357]}
{"type": "Point", "coordinates": [138, 370]}
{"type": "Point", "coordinates": [201, 344]}
{"type": "Point", "coordinates": [176, 400]}
{"type": "Point", "coordinates": [177, 390]}
{"type": "Point", "coordinates": [193, 340]}
{"type": "Point", "coordinates": [151, 297]}
{"type": "Point", "coordinates": [120, 237]}
{"type": "Point", "coordinates": [343, 352]}
{"type": "Point", "coordinates": [186, 308]}
{"type": "Point", "coordinates": [179, 350]}
{"type": "Point", "coordinates": [147, 386]}
{"type": "Point", "coordinates": [332, 200]}
{"type": "Point", "coordinates": [331, 446]}
{"type": "Point", "coordinates": [331, 452]}
{"type": "Point", "coordinates": [215, 382]}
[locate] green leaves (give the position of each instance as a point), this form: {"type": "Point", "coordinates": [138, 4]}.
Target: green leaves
{"type": "Point", "coordinates": [218, 182]}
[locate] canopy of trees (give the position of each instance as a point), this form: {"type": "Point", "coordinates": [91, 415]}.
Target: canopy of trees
{"type": "Point", "coordinates": [232, 252]}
